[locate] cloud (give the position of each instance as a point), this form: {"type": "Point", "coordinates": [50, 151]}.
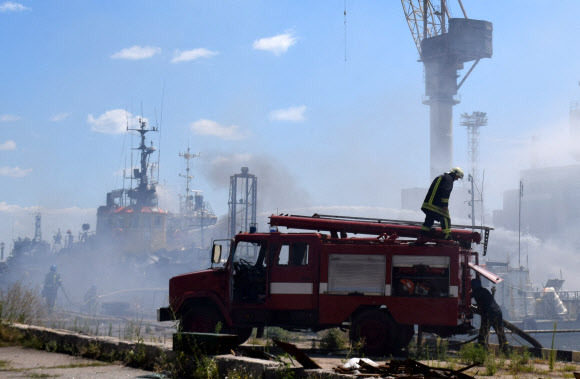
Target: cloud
{"type": "Point", "coordinates": [212, 128]}
{"type": "Point", "coordinates": [59, 117]}
{"type": "Point", "coordinates": [136, 52]}
{"type": "Point", "coordinates": [191, 55]}
{"type": "Point", "coordinates": [8, 146]}
{"type": "Point", "coordinates": [9, 6]}
{"type": "Point", "coordinates": [14, 172]}
{"type": "Point", "coordinates": [113, 122]}
{"type": "Point", "coordinates": [295, 114]}
{"type": "Point", "coordinates": [8, 117]}
{"type": "Point", "coordinates": [277, 45]}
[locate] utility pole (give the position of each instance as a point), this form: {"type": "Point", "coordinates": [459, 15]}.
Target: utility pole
{"type": "Point", "coordinates": [520, 224]}
{"type": "Point", "coordinates": [472, 202]}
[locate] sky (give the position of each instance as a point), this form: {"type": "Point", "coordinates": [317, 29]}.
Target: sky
{"type": "Point", "coordinates": [326, 112]}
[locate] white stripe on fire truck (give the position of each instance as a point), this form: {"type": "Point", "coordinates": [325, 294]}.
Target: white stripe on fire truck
{"type": "Point", "coordinates": [291, 288]}
{"type": "Point", "coordinates": [454, 291]}
{"type": "Point", "coordinates": [322, 288]}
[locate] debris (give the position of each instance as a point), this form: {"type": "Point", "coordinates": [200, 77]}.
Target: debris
{"type": "Point", "coordinates": [294, 351]}
{"type": "Point", "coordinates": [355, 363]}
{"type": "Point", "coordinates": [399, 368]}
{"type": "Point", "coordinates": [250, 352]}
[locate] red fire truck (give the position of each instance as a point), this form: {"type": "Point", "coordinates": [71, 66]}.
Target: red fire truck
{"type": "Point", "coordinates": [380, 283]}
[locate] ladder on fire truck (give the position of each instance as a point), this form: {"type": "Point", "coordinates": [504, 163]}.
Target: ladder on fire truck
{"type": "Point", "coordinates": [340, 225]}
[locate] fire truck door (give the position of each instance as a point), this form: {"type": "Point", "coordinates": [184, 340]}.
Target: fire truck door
{"type": "Point", "coordinates": [293, 287]}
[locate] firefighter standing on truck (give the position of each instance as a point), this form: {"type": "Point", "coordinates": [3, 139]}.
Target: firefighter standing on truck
{"type": "Point", "coordinates": [491, 315]}
{"type": "Point", "coordinates": [436, 204]}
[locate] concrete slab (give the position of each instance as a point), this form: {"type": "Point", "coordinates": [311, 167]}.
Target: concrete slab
{"type": "Point", "coordinates": [19, 362]}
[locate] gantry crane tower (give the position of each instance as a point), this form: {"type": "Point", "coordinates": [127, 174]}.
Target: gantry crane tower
{"type": "Point", "coordinates": [445, 44]}
{"type": "Point", "coordinates": [186, 204]}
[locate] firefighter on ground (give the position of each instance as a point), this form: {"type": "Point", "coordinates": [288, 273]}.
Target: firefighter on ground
{"type": "Point", "coordinates": [436, 204]}
{"type": "Point", "coordinates": [491, 315]}
{"type": "Point", "coordinates": [51, 283]}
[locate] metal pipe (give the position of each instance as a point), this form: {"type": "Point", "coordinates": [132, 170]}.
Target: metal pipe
{"type": "Point", "coordinates": [462, 8]}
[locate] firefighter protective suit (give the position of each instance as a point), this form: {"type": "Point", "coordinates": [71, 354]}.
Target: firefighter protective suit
{"type": "Point", "coordinates": [51, 283]}
{"type": "Point", "coordinates": [435, 205]}
{"type": "Point", "coordinates": [491, 315]}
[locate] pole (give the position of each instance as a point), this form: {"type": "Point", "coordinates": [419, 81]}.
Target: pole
{"type": "Point", "coordinates": [520, 224]}
{"type": "Point", "coordinates": [472, 202]}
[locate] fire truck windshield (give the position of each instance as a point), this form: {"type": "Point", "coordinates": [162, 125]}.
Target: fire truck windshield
{"type": "Point", "coordinates": [250, 253]}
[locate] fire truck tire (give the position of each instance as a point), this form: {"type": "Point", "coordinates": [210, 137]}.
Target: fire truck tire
{"type": "Point", "coordinates": [201, 319]}
{"type": "Point", "coordinates": [378, 330]}
{"type": "Point", "coordinates": [243, 334]}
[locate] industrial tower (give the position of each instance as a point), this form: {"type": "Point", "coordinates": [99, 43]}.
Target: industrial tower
{"type": "Point", "coordinates": [243, 201]}
{"type": "Point", "coordinates": [473, 122]}
{"type": "Point", "coordinates": [444, 45]}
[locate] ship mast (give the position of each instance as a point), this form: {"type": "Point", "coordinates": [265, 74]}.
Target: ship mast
{"type": "Point", "coordinates": [145, 193]}
{"type": "Point", "coordinates": [187, 205]}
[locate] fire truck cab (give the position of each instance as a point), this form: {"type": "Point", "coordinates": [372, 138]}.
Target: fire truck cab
{"type": "Point", "coordinates": [380, 285]}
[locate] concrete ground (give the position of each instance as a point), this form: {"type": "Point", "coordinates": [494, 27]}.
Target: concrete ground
{"type": "Point", "coordinates": [19, 362]}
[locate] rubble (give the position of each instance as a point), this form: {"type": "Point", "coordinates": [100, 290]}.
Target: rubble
{"type": "Point", "coordinates": [407, 368]}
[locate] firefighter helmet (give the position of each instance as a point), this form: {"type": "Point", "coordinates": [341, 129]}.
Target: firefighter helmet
{"type": "Point", "coordinates": [407, 286]}
{"type": "Point", "coordinates": [458, 172]}
{"type": "Point", "coordinates": [53, 268]}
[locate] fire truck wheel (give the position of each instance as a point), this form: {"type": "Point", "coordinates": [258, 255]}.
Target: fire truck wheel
{"type": "Point", "coordinates": [201, 319]}
{"type": "Point", "coordinates": [377, 329]}
{"type": "Point", "coordinates": [243, 334]}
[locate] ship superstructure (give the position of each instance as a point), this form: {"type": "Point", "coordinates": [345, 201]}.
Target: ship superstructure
{"type": "Point", "coordinates": [194, 215]}
{"type": "Point", "coordinates": [131, 218]}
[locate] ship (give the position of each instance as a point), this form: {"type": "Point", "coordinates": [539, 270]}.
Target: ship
{"type": "Point", "coordinates": [136, 247]}
{"type": "Point", "coordinates": [131, 218]}
{"type": "Point", "coordinates": [534, 308]}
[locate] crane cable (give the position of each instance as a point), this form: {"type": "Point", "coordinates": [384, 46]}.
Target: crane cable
{"type": "Point", "coordinates": [345, 30]}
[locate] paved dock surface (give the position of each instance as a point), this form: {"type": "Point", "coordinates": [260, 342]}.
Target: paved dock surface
{"type": "Point", "coordinates": [19, 362]}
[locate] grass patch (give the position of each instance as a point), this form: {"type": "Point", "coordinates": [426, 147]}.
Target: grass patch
{"type": "Point", "coordinates": [240, 373]}
{"type": "Point", "coordinates": [20, 304]}
{"type": "Point", "coordinates": [520, 363]}
{"type": "Point", "coordinates": [4, 364]}
{"type": "Point", "coordinates": [568, 367]}
{"type": "Point", "coordinates": [80, 365]}
{"type": "Point", "coordinates": [9, 336]}
{"type": "Point", "coordinates": [472, 353]}
{"type": "Point", "coordinates": [333, 339]}
{"type": "Point", "coordinates": [493, 364]}
{"type": "Point", "coordinates": [278, 333]}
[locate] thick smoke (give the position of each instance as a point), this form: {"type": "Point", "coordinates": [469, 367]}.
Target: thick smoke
{"type": "Point", "coordinates": [551, 146]}
{"type": "Point", "coordinates": [17, 221]}
{"type": "Point", "coordinates": [168, 198]}
{"type": "Point", "coordinates": [547, 258]}
{"type": "Point", "coordinates": [276, 186]}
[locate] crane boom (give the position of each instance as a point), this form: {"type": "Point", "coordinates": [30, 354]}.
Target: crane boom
{"type": "Point", "coordinates": [422, 20]}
